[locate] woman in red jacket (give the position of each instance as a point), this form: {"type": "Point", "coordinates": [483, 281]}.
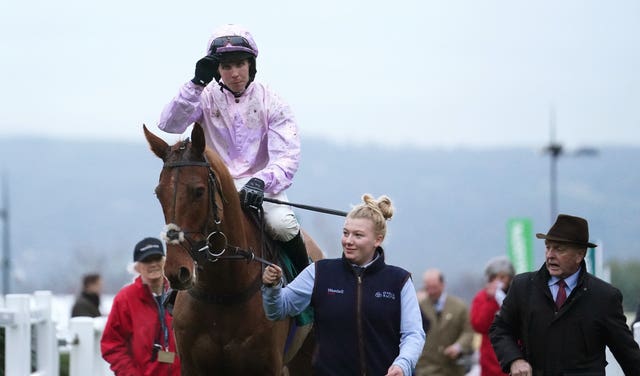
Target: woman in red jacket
{"type": "Point", "coordinates": [499, 273]}
{"type": "Point", "coordinates": [138, 338]}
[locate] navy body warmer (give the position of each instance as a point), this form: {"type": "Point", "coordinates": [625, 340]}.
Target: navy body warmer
{"type": "Point", "coordinates": [357, 319]}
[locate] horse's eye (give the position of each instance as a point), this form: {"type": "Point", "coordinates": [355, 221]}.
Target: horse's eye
{"type": "Point", "coordinates": [199, 192]}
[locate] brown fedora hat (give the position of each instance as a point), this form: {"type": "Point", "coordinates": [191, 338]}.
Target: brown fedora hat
{"type": "Point", "coordinates": [569, 229]}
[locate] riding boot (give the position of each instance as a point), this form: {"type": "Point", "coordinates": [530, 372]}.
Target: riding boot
{"type": "Point", "coordinates": [297, 253]}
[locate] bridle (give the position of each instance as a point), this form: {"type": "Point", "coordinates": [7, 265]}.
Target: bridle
{"type": "Point", "coordinates": [214, 246]}
{"type": "Point", "coordinates": [205, 251]}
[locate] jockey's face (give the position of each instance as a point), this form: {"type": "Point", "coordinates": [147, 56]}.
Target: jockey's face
{"type": "Point", "coordinates": [235, 74]}
{"type": "Point", "coordinates": [359, 240]}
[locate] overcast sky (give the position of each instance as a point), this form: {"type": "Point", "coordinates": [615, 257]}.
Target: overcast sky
{"type": "Point", "coordinates": [443, 73]}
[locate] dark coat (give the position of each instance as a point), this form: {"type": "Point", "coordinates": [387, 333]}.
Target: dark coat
{"type": "Point", "coordinates": [87, 304]}
{"type": "Point", "coordinates": [570, 341]}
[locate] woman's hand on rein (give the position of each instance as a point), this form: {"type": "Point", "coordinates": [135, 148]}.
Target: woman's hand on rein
{"type": "Point", "coordinates": [272, 275]}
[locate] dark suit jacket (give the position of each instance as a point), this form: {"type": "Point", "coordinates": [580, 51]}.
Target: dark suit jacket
{"type": "Point", "coordinates": [568, 342]}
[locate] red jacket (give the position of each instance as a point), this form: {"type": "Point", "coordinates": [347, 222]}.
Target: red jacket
{"type": "Point", "coordinates": [483, 310]}
{"type": "Point", "coordinates": [131, 330]}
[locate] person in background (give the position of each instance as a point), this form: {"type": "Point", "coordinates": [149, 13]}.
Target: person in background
{"type": "Point", "coordinates": [138, 337]}
{"type": "Point", "coordinates": [366, 315]}
{"type": "Point", "coordinates": [252, 129]}
{"type": "Point", "coordinates": [499, 272]}
{"type": "Point", "coordinates": [87, 304]}
{"type": "Point", "coordinates": [450, 335]}
{"type": "Point", "coordinates": [559, 320]}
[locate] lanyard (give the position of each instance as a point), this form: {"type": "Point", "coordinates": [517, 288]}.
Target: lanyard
{"type": "Point", "coordinates": [163, 325]}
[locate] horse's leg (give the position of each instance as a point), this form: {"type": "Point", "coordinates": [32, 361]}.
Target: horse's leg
{"type": "Point", "coordinates": [313, 249]}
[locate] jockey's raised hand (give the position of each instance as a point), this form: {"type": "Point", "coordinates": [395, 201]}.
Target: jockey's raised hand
{"type": "Point", "coordinates": [205, 69]}
{"type": "Point", "coordinates": [252, 194]}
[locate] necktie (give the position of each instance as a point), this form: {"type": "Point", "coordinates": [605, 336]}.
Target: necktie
{"type": "Point", "coordinates": [562, 293]}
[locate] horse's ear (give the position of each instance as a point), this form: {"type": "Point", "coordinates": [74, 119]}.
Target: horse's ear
{"type": "Point", "coordinates": [197, 139]}
{"type": "Point", "coordinates": [158, 146]}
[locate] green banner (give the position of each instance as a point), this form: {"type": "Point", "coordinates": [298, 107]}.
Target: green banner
{"type": "Point", "coordinates": [520, 244]}
{"type": "Point", "coordinates": [593, 259]}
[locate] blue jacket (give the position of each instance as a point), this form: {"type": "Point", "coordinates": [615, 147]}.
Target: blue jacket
{"type": "Point", "coordinates": [357, 317]}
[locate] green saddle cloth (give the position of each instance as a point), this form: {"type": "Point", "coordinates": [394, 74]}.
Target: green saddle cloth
{"type": "Point", "coordinates": [305, 317]}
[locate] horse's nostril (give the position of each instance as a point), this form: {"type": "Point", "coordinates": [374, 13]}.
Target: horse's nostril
{"type": "Point", "coordinates": [184, 275]}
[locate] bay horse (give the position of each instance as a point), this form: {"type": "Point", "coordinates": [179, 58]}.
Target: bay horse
{"type": "Point", "coordinates": [214, 259]}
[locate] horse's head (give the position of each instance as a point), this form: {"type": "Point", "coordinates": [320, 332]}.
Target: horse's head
{"type": "Point", "coordinates": [188, 202]}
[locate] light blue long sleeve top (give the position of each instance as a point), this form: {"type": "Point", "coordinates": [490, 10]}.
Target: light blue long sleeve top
{"type": "Point", "coordinates": [291, 300]}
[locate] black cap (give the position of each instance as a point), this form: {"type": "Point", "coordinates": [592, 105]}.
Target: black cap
{"type": "Point", "coordinates": [147, 247]}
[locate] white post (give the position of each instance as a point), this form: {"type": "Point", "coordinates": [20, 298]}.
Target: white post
{"type": "Point", "coordinates": [46, 342]}
{"type": "Point", "coordinates": [18, 337]}
{"type": "Point", "coordinates": [636, 332]}
{"type": "Point", "coordinates": [100, 366]}
{"type": "Point", "coordinates": [81, 355]}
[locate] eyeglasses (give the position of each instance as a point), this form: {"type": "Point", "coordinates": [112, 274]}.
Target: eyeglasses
{"type": "Point", "coordinates": [229, 41]}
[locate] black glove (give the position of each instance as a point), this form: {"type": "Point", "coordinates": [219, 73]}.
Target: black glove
{"type": "Point", "coordinates": [252, 193]}
{"type": "Point", "coordinates": [205, 68]}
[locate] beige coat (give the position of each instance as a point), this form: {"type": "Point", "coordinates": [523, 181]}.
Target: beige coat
{"type": "Point", "coordinates": [453, 326]}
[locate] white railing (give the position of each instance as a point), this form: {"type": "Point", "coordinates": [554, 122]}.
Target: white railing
{"type": "Point", "coordinates": [85, 355]}
{"type": "Point", "coordinates": [19, 314]}
{"type": "Point", "coordinates": [30, 328]}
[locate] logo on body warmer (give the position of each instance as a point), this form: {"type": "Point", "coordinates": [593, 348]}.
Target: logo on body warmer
{"type": "Point", "coordinates": [331, 291]}
{"type": "Point", "coordinates": [385, 295]}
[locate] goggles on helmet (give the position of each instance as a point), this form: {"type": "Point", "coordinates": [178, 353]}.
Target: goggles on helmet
{"type": "Point", "coordinates": [230, 44]}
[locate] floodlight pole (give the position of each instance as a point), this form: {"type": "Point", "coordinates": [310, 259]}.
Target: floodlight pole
{"type": "Point", "coordinates": [555, 150]}
{"type": "Point", "coordinates": [6, 250]}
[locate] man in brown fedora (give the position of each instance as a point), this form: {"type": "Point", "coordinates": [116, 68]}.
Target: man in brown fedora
{"type": "Point", "coordinates": [558, 320]}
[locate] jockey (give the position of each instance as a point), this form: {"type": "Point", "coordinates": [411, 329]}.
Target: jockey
{"type": "Point", "coordinates": [249, 126]}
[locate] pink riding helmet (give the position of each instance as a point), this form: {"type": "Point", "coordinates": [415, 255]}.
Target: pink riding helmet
{"type": "Point", "coordinates": [231, 38]}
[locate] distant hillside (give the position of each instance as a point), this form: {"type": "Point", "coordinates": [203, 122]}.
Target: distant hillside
{"type": "Point", "coordinates": [81, 206]}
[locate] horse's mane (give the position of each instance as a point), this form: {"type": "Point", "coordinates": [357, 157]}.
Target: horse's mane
{"type": "Point", "coordinates": [218, 166]}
